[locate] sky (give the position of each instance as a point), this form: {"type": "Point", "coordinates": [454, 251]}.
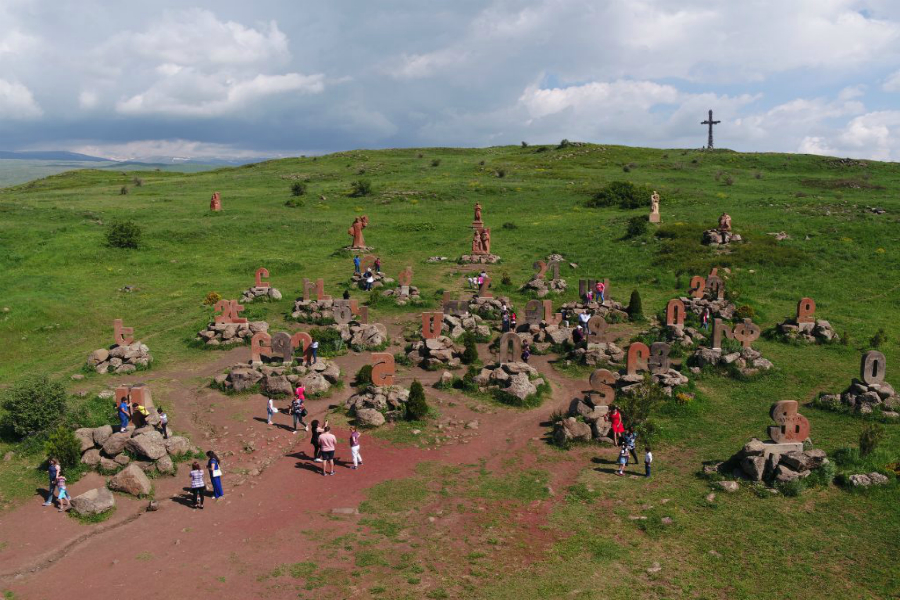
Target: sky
{"type": "Point", "coordinates": [236, 79]}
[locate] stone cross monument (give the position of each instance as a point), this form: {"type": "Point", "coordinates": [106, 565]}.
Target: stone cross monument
{"type": "Point", "coordinates": [710, 122]}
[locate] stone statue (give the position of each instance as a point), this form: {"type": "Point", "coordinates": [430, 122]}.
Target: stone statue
{"type": "Point", "coordinates": [476, 242]}
{"type": "Point", "coordinates": [356, 230]}
{"type": "Point", "coordinates": [215, 204]}
{"type": "Point", "coordinates": [477, 213]}
{"type": "Point", "coordinates": [486, 241]}
{"type": "Point", "coordinates": [654, 207]}
{"type": "Point", "coordinates": [725, 222]}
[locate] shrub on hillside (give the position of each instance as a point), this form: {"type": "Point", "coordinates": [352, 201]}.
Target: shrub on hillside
{"type": "Point", "coordinates": [745, 311]}
{"type": "Point", "coordinates": [637, 405]}
{"type": "Point", "coordinates": [637, 226]}
{"type": "Point", "coordinates": [635, 308]}
{"type": "Point", "coordinates": [416, 406]}
{"type": "Point", "coordinates": [330, 342]}
{"type": "Point", "coordinates": [564, 144]}
{"type": "Point", "coordinates": [123, 234]}
{"type": "Point", "coordinates": [298, 188]}
{"type": "Point", "coordinates": [435, 162]}
{"type": "Point", "coordinates": [64, 446]}
{"type": "Point", "coordinates": [878, 339]}
{"type": "Point", "coordinates": [623, 194]}
{"type": "Point", "coordinates": [869, 438]}
{"type": "Point", "coordinates": [123, 191]}
{"type": "Point", "coordinates": [32, 405]}
{"type": "Point", "coordinates": [360, 187]}
{"type": "Point", "coordinates": [470, 350]}
{"type": "Point", "coordinates": [501, 173]}
{"type": "Point", "coordinates": [363, 376]}
{"type": "Point", "coordinates": [137, 181]}
{"type": "Point", "coordinates": [212, 298]}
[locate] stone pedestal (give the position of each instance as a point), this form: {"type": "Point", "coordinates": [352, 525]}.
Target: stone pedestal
{"type": "Point", "coordinates": [771, 447]}
{"type": "Point", "coordinates": [654, 217]}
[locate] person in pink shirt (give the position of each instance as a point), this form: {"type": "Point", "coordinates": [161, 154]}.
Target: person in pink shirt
{"type": "Point", "coordinates": [327, 443]}
{"type": "Point", "coordinates": [601, 292]}
{"type": "Point", "coordinates": [354, 447]}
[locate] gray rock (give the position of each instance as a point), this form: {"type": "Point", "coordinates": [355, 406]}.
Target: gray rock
{"type": "Point", "coordinates": [93, 502]}
{"type": "Point", "coordinates": [91, 457]}
{"type": "Point", "coordinates": [177, 445]}
{"type": "Point", "coordinates": [115, 443]}
{"type": "Point", "coordinates": [369, 417]}
{"type": "Point", "coordinates": [149, 445]}
{"type": "Point", "coordinates": [108, 465]}
{"type": "Point", "coordinates": [276, 384]}
{"type": "Point", "coordinates": [122, 459]}
{"type": "Point", "coordinates": [729, 486]}
{"type": "Point", "coordinates": [783, 473]}
{"type": "Point", "coordinates": [520, 387]}
{"type": "Point", "coordinates": [571, 429]}
{"type": "Point", "coordinates": [85, 436]}
{"type": "Point", "coordinates": [754, 467]}
{"type": "Point", "coordinates": [131, 480]}
{"type": "Point", "coordinates": [166, 466]}
{"type": "Point", "coordinates": [754, 448]}
{"type": "Point", "coordinates": [315, 383]}
{"type": "Point", "coordinates": [101, 434]}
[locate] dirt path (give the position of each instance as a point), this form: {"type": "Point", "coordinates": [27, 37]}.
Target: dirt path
{"type": "Point", "coordinates": [274, 493]}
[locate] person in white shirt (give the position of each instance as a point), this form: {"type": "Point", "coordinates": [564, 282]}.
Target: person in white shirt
{"type": "Point", "coordinates": [648, 458]}
{"type": "Point", "coordinates": [270, 410]}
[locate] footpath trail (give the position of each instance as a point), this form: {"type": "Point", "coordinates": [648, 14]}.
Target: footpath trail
{"type": "Point", "coordinates": [275, 494]}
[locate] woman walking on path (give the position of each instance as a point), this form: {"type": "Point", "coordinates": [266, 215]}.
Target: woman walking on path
{"type": "Point", "coordinates": [314, 438]}
{"type": "Point", "coordinates": [354, 447]}
{"type": "Point", "coordinates": [215, 474]}
{"type": "Point", "coordinates": [615, 419]}
{"type": "Point", "coordinates": [270, 410]}
{"type": "Point", "coordinates": [53, 471]}
{"type": "Point", "coordinates": [704, 318]}
{"type": "Point", "coordinates": [327, 442]}
{"type": "Point", "coordinates": [198, 487]}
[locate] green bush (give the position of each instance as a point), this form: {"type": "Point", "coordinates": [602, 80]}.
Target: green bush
{"type": "Point", "coordinates": [878, 339]}
{"type": "Point", "coordinates": [33, 404]}
{"type": "Point", "coordinates": [869, 438]}
{"type": "Point", "coordinates": [564, 144]}
{"type": "Point", "coordinates": [363, 376]}
{"type": "Point", "coordinates": [123, 234]}
{"type": "Point", "coordinates": [298, 188]}
{"type": "Point", "coordinates": [637, 405]}
{"type": "Point", "coordinates": [623, 194]}
{"type": "Point", "coordinates": [360, 187]}
{"type": "Point", "coordinates": [63, 445]}
{"type": "Point", "coordinates": [435, 162]}
{"type": "Point", "coordinates": [123, 191]}
{"type": "Point", "coordinates": [745, 312]}
{"type": "Point", "coordinates": [330, 342]}
{"type": "Point", "coordinates": [416, 406]}
{"type": "Point", "coordinates": [635, 308]}
{"type": "Point", "coordinates": [294, 203]}
{"type": "Point", "coordinates": [470, 350]}
{"type": "Point", "coordinates": [509, 225]}
{"type": "Point", "coordinates": [637, 226]}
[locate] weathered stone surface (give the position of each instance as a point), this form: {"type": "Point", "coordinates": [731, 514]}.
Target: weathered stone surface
{"type": "Point", "coordinates": [166, 465]}
{"type": "Point", "coordinates": [369, 417]}
{"type": "Point", "coordinates": [520, 387]}
{"type": "Point", "coordinates": [784, 474]}
{"type": "Point", "coordinates": [98, 356]}
{"type": "Point", "coordinates": [91, 457]}
{"type": "Point", "coordinates": [131, 480]}
{"type": "Point", "coordinates": [276, 384]}
{"type": "Point", "coordinates": [754, 467]}
{"type": "Point", "coordinates": [101, 434]}
{"type": "Point", "coordinates": [571, 429]}
{"type": "Point", "coordinates": [115, 443]}
{"type": "Point", "coordinates": [85, 437]}
{"type": "Point", "coordinates": [149, 445]}
{"type": "Point", "coordinates": [93, 502]}
{"type": "Point", "coordinates": [177, 445]}
{"type": "Point", "coordinates": [729, 486]}
{"type": "Point", "coordinates": [122, 459]}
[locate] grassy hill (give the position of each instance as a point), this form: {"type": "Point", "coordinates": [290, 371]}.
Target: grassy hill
{"type": "Point", "coordinates": [15, 171]}
{"type": "Point", "coordinates": [62, 291]}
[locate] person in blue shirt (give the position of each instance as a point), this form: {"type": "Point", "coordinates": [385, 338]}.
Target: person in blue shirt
{"type": "Point", "coordinates": [630, 439]}
{"type": "Point", "coordinates": [124, 415]}
{"type": "Point", "coordinates": [53, 471]}
{"type": "Point", "coordinates": [356, 264]}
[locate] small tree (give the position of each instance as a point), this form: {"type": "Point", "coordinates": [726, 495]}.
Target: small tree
{"type": "Point", "coordinates": [123, 234]}
{"type": "Point", "coordinates": [33, 404]}
{"type": "Point", "coordinates": [63, 445]}
{"type": "Point", "coordinates": [637, 226]}
{"type": "Point", "coordinates": [416, 406]}
{"type": "Point", "coordinates": [470, 350]}
{"type": "Point", "coordinates": [639, 402]}
{"type": "Point", "coordinates": [363, 376]}
{"type": "Point", "coordinates": [137, 181]}
{"type": "Point", "coordinates": [878, 339]}
{"type": "Point", "coordinates": [360, 187]}
{"type": "Point", "coordinates": [298, 188]}
{"type": "Point", "coordinates": [635, 309]}
{"type": "Point", "coordinates": [869, 438]}
{"type": "Point", "coordinates": [435, 162]}
{"type": "Point", "coordinates": [123, 191]}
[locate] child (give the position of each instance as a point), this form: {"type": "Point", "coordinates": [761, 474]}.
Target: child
{"type": "Point", "coordinates": [124, 415]}
{"type": "Point", "coordinates": [648, 458]}
{"type": "Point", "coordinates": [526, 352]}
{"type": "Point", "coordinates": [63, 492]}
{"type": "Point", "coordinates": [163, 422]}
{"type": "Point", "coordinates": [704, 318]}
{"type": "Point", "coordinates": [354, 447]}
{"type": "Point", "coordinates": [623, 460]}
{"type": "Point", "coordinates": [270, 410]}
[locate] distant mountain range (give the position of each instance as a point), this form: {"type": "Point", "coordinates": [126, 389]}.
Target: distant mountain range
{"type": "Point", "coordinates": [153, 161]}
{"type": "Point", "coordinates": [50, 155]}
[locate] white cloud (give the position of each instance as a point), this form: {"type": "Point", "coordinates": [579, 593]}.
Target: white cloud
{"type": "Point", "coordinates": [154, 149]}
{"type": "Point", "coordinates": [16, 42]}
{"type": "Point", "coordinates": [88, 99]}
{"type": "Point", "coordinates": [17, 102]}
{"type": "Point", "coordinates": [892, 83]}
{"type": "Point", "coordinates": [598, 96]}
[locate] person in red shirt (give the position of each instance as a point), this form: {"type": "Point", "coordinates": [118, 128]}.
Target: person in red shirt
{"type": "Point", "coordinates": [615, 419]}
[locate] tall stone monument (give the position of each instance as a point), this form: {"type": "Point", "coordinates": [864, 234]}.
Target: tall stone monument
{"type": "Point", "coordinates": [481, 242]}
{"type": "Point", "coordinates": [654, 208]}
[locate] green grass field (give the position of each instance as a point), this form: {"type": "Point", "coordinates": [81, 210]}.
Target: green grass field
{"type": "Point", "coordinates": [62, 293]}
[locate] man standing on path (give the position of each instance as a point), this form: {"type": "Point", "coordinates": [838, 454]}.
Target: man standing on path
{"type": "Point", "coordinates": [327, 443]}
{"type": "Point", "coordinates": [356, 264]}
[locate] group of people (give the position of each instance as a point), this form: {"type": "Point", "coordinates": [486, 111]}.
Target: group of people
{"type": "Point", "coordinates": [369, 275]}
{"type": "Point", "coordinates": [626, 440]}
{"type": "Point", "coordinates": [137, 413]}
{"type": "Point", "coordinates": [198, 484]}
{"type": "Point", "coordinates": [476, 281]}
{"type": "Point", "coordinates": [598, 293]}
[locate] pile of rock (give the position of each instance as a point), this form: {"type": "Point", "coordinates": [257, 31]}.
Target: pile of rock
{"type": "Point", "coordinates": [612, 311]}
{"type": "Point", "coordinates": [820, 331]}
{"type": "Point", "coordinates": [375, 405]}
{"type": "Point", "coordinates": [717, 237]}
{"type": "Point", "coordinates": [457, 326]}
{"type": "Point", "coordinates": [359, 280]}
{"type": "Point", "coordinates": [436, 259]}
{"type": "Point", "coordinates": [668, 380]}
{"type": "Point", "coordinates": [313, 311]}
{"type": "Point", "coordinates": [280, 380]}
{"type": "Point", "coordinates": [748, 361]}
{"type": "Point", "coordinates": [605, 353]}
{"type": "Point", "coordinates": [436, 352]}
{"type": "Point", "coordinates": [515, 378]}
{"type": "Point", "coordinates": [586, 422]}
{"type": "Point", "coordinates": [479, 259]}
{"type": "Point", "coordinates": [259, 293]}
{"type": "Point", "coordinates": [363, 336]}
{"type": "Point", "coordinates": [543, 287]}
{"type": "Point", "coordinates": [488, 308]}
{"type": "Point", "coordinates": [403, 295]}
{"type": "Point", "coordinates": [864, 397]}
{"type": "Point", "coordinates": [771, 462]}
{"type": "Point", "coordinates": [684, 336]}
{"type": "Point", "coordinates": [105, 450]}
{"type": "Point", "coordinates": [229, 334]}
{"type": "Point", "coordinates": [868, 479]}
{"type": "Point", "coordinates": [719, 308]}
{"type": "Point", "coordinates": [120, 359]}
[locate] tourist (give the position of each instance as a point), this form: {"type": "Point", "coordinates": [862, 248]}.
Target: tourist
{"type": "Point", "coordinates": [589, 296]}
{"type": "Point", "coordinates": [378, 264]}
{"type": "Point", "coordinates": [704, 318]}
{"type": "Point", "coordinates": [63, 493]}
{"type": "Point", "coordinates": [512, 321]}
{"type": "Point", "coordinates": [648, 459]}
{"type": "Point", "coordinates": [215, 474]}
{"type": "Point", "coordinates": [623, 460]}
{"type": "Point", "coordinates": [314, 438]}
{"type": "Point", "coordinates": [473, 282]}
{"type": "Point", "coordinates": [615, 419]}
{"type": "Point", "coordinates": [270, 410]}
{"type": "Point", "coordinates": [583, 319]}
{"type": "Point", "coordinates": [526, 351]}
{"type": "Point", "coordinates": [356, 264]}
{"type": "Point", "coordinates": [298, 411]}
{"type": "Point", "coordinates": [601, 291]}
{"type": "Point", "coordinates": [630, 439]}
{"type": "Point", "coordinates": [479, 280]}
{"type": "Point", "coordinates": [504, 321]}
{"type": "Point", "coordinates": [327, 442]}
{"type": "Point", "coordinates": [124, 415]}
{"type": "Point", "coordinates": [354, 447]}
{"type": "Point", "coordinates": [53, 471]}
{"type": "Point", "coordinates": [315, 351]}
{"type": "Point", "coordinates": [578, 335]}
{"type": "Point", "coordinates": [163, 422]}
{"type": "Point", "coordinates": [370, 280]}
{"type": "Point", "coordinates": [139, 414]}
{"type": "Point", "coordinates": [198, 487]}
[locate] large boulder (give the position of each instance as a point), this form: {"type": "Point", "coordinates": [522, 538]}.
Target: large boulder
{"type": "Point", "coordinates": [101, 434]}
{"type": "Point", "coordinates": [369, 417]}
{"type": "Point", "coordinates": [754, 467]}
{"type": "Point", "coordinates": [150, 445]}
{"type": "Point", "coordinates": [85, 436]}
{"type": "Point", "coordinates": [93, 502]}
{"type": "Point", "coordinates": [276, 384]}
{"type": "Point", "coordinates": [315, 383]}
{"type": "Point", "coordinates": [131, 480]}
{"type": "Point", "coordinates": [98, 356]}
{"type": "Point", "coordinates": [166, 466]}
{"type": "Point", "coordinates": [571, 429]}
{"type": "Point", "coordinates": [177, 445]}
{"type": "Point", "coordinates": [244, 379]}
{"type": "Point", "coordinates": [115, 443]}
{"type": "Point", "coordinates": [91, 458]}
{"type": "Point", "coordinates": [521, 387]}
